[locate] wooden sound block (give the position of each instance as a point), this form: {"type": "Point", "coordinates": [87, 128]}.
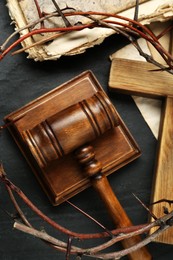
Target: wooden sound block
{"type": "Point", "coordinates": [63, 178]}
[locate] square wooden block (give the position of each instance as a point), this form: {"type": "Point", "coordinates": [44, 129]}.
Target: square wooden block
{"type": "Point", "coordinates": [63, 178]}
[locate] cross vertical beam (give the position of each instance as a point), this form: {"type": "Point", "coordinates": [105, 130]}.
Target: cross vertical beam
{"type": "Point", "coordinates": [136, 78]}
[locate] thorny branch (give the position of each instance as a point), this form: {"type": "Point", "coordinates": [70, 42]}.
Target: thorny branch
{"type": "Point", "coordinates": [117, 235]}
{"type": "Point", "coordinates": [66, 21]}
{"type": "Point", "coordinates": [129, 28]}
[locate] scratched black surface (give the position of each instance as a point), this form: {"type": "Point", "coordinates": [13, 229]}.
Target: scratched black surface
{"type": "Point", "coordinates": [22, 80]}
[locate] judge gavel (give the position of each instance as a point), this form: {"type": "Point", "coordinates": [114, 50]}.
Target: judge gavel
{"type": "Point", "coordinates": [72, 130]}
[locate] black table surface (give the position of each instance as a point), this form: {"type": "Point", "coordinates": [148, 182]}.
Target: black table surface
{"type": "Point", "coordinates": [21, 81]}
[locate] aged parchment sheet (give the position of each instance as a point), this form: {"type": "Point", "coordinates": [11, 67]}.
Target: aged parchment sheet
{"type": "Point", "coordinates": [72, 43]}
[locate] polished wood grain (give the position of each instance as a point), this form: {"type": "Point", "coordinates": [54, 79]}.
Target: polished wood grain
{"type": "Point", "coordinates": [136, 78]}
{"type": "Point", "coordinates": [50, 129]}
{"type": "Point", "coordinates": [86, 157]}
{"type": "Point", "coordinates": [70, 128]}
{"type": "Point", "coordinates": [61, 179]}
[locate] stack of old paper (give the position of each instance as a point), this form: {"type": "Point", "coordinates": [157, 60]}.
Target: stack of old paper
{"type": "Point", "coordinates": [71, 43]}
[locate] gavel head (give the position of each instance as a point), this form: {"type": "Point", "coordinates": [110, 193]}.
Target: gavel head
{"type": "Point", "coordinates": [71, 128]}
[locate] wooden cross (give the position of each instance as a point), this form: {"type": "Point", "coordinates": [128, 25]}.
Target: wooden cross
{"type": "Point", "coordinates": [136, 77]}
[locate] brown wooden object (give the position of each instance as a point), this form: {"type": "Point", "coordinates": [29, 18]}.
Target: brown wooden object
{"type": "Point", "coordinates": [63, 178]}
{"type": "Point", "coordinates": [66, 123]}
{"type": "Point", "coordinates": [136, 77]}
{"type": "Point", "coordinates": [67, 130]}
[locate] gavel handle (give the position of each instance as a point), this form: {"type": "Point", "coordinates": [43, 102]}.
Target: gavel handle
{"type": "Point", "coordinates": [100, 182]}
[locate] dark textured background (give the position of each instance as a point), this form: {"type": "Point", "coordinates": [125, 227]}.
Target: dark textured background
{"type": "Point", "coordinates": [21, 81]}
